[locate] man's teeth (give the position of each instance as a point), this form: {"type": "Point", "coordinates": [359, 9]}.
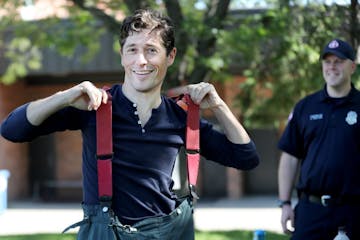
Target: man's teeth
{"type": "Point", "coordinates": [143, 72]}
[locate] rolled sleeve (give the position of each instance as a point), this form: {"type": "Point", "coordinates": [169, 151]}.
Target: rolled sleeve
{"type": "Point", "coordinates": [246, 156]}
{"type": "Point", "coordinates": [16, 127]}
{"type": "Point", "coordinates": [216, 147]}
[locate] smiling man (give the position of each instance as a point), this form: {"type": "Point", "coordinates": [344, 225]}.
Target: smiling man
{"type": "Point", "coordinates": [323, 138]}
{"type": "Point", "coordinates": [148, 132]}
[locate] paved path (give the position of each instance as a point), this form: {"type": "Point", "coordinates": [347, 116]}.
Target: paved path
{"type": "Point", "coordinates": [248, 213]}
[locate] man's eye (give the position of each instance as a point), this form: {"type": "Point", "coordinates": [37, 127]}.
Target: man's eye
{"type": "Point", "coordinates": [152, 50]}
{"type": "Point", "coordinates": [339, 61]}
{"type": "Point", "coordinates": [131, 50]}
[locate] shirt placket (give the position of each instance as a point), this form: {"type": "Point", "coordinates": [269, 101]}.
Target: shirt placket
{"type": "Point", "coordinates": [136, 113]}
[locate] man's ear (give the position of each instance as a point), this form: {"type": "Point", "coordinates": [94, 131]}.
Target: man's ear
{"type": "Point", "coordinates": [171, 57]}
{"type": "Point", "coordinates": [353, 66]}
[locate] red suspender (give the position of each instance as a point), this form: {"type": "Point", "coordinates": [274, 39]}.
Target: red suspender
{"type": "Point", "coordinates": [104, 148]}
{"type": "Point", "coordinates": [192, 144]}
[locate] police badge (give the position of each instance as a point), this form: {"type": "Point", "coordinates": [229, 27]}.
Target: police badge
{"type": "Point", "coordinates": [351, 117]}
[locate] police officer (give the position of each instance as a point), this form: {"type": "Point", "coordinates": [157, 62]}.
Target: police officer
{"type": "Point", "coordinates": [322, 140]}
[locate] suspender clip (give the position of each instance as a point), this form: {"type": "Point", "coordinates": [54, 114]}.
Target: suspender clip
{"type": "Point", "coordinates": [193, 193]}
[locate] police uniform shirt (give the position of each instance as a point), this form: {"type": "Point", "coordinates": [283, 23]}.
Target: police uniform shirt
{"type": "Point", "coordinates": [324, 133]}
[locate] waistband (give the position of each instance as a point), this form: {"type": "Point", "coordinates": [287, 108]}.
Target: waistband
{"type": "Point", "coordinates": [330, 200]}
{"type": "Point", "coordinates": [100, 212]}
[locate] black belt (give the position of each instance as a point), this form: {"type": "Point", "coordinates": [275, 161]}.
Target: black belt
{"type": "Point", "coordinates": [328, 200]}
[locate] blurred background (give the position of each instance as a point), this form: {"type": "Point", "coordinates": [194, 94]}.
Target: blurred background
{"type": "Point", "coordinates": [262, 56]}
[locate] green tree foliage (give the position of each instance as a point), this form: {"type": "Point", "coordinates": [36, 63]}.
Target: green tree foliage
{"type": "Point", "coordinates": [282, 52]}
{"type": "Point", "coordinates": [196, 34]}
{"type": "Point", "coordinates": [22, 41]}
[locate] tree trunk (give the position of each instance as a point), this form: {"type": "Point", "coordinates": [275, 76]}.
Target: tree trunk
{"type": "Point", "coordinates": [354, 25]}
{"type": "Point", "coordinates": [206, 45]}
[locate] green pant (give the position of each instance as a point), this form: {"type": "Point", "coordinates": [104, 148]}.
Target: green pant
{"type": "Point", "coordinates": [102, 225]}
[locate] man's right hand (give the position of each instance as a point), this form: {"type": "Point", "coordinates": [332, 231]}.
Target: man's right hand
{"type": "Point", "coordinates": [86, 96]}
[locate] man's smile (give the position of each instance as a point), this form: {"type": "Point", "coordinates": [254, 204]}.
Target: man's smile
{"type": "Point", "coordinates": [142, 72]}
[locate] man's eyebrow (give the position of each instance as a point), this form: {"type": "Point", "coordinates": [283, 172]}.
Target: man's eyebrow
{"type": "Point", "coordinates": [130, 45]}
{"type": "Point", "coordinates": [146, 45]}
{"type": "Point", "coordinates": [151, 45]}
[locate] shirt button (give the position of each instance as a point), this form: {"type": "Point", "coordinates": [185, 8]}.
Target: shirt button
{"type": "Point", "coordinates": [134, 105]}
{"type": "Point", "coordinates": [178, 211]}
{"type": "Point", "coordinates": [136, 113]}
{"type": "Point", "coordinates": [139, 122]}
{"type": "Point", "coordinates": [105, 209]}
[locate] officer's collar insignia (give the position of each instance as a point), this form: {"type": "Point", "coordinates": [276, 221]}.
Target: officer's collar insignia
{"type": "Point", "coordinates": [351, 118]}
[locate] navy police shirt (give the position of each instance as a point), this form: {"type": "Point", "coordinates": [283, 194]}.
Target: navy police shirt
{"type": "Point", "coordinates": [324, 133]}
{"type": "Point", "coordinates": [144, 157]}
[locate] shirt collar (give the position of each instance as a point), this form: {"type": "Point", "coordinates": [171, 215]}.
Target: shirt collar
{"type": "Point", "coordinates": [324, 96]}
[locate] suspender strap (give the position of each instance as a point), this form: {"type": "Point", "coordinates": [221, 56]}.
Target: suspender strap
{"type": "Point", "coordinates": [192, 144]}
{"type": "Point", "coordinates": [104, 148]}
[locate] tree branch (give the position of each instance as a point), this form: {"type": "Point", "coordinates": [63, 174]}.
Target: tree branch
{"type": "Point", "coordinates": [206, 45]}
{"type": "Point", "coordinates": [133, 5]}
{"type": "Point", "coordinates": [354, 25]}
{"type": "Point", "coordinates": [174, 11]}
{"type": "Point", "coordinates": [110, 22]}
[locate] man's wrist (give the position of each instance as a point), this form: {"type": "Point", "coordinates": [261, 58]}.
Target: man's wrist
{"type": "Point", "coordinates": [281, 203]}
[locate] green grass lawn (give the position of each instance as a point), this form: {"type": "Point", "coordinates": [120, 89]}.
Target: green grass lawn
{"type": "Point", "coordinates": [200, 235]}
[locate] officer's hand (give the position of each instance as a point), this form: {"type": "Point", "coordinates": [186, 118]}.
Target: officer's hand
{"type": "Point", "coordinates": [287, 214]}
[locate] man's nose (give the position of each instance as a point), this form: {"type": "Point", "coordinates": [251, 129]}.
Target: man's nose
{"type": "Point", "coordinates": [334, 64]}
{"type": "Point", "coordinates": [141, 58]}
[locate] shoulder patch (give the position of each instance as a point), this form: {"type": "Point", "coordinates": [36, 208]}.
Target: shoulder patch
{"type": "Point", "coordinates": [351, 117]}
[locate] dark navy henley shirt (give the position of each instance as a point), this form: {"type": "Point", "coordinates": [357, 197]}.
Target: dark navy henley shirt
{"type": "Point", "coordinates": [143, 157]}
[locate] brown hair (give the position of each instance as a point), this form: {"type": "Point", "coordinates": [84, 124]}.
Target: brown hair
{"type": "Point", "coordinates": [149, 19]}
